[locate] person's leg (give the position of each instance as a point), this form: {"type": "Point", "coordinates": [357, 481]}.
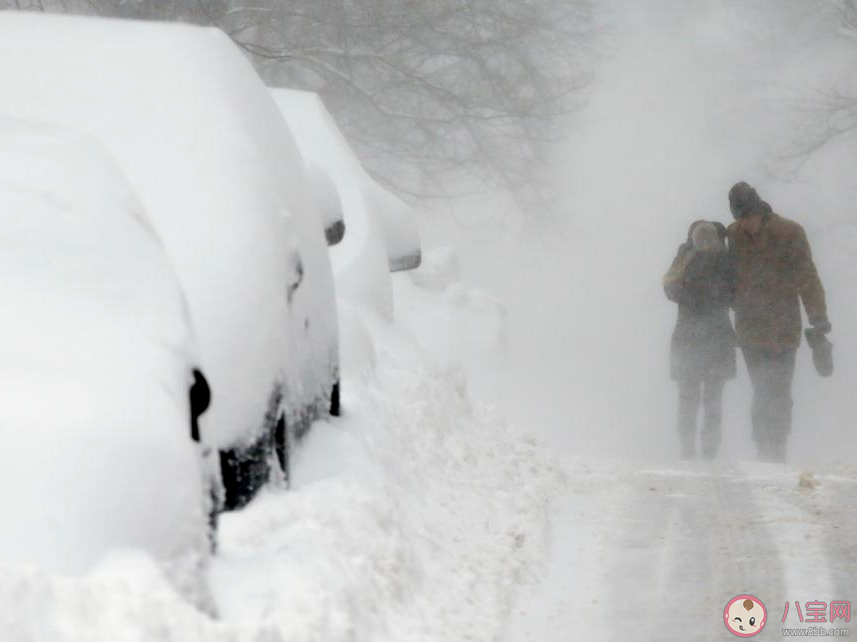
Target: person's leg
{"type": "Point", "coordinates": [712, 404]}
{"type": "Point", "coordinates": [688, 408]}
{"type": "Point", "coordinates": [756, 368]}
{"type": "Point", "coordinates": [771, 374]}
{"type": "Point", "coordinates": [782, 367]}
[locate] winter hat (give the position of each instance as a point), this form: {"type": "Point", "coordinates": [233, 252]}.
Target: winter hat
{"type": "Point", "coordinates": [743, 200]}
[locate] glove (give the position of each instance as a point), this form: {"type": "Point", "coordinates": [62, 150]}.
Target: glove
{"type": "Point", "coordinates": [822, 351]}
{"type": "Point", "coordinates": [684, 248]}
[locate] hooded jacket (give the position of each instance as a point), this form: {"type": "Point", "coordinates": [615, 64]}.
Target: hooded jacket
{"type": "Point", "coordinates": [702, 283]}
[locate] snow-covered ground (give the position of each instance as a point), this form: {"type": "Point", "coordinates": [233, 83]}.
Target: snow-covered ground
{"type": "Point", "coordinates": [412, 517]}
{"type": "Point", "coordinates": [654, 553]}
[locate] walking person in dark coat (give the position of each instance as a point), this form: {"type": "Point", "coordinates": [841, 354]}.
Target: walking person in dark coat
{"type": "Point", "coordinates": [702, 351]}
{"type": "Point", "coordinates": [775, 271]}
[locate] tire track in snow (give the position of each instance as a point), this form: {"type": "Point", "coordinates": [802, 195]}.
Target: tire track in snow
{"type": "Point", "coordinates": [655, 555]}
{"type": "Point", "coordinates": [838, 512]}
{"type": "Point", "coordinates": [711, 545]}
{"type": "Point", "coordinates": [816, 521]}
{"type": "Point", "coordinates": [720, 549]}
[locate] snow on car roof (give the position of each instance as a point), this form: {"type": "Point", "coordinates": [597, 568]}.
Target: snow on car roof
{"type": "Point", "coordinates": [322, 143]}
{"type": "Point", "coordinates": [360, 260]}
{"type": "Point", "coordinates": [191, 124]}
{"type": "Point", "coordinates": [77, 248]}
{"type": "Point", "coordinates": [320, 140]}
{"type": "Point", "coordinates": [369, 209]}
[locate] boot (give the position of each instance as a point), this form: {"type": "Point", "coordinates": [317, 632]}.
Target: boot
{"type": "Point", "coordinates": [709, 450]}
{"type": "Point", "coordinates": [710, 439]}
{"type": "Point", "coordinates": [778, 451]}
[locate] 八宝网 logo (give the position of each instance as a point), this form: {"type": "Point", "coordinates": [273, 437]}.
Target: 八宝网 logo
{"type": "Point", "coordinates": [745, 616]}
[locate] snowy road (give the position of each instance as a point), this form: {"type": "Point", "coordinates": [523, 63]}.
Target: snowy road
{"type": "Point", "coordinates": [646, 554]}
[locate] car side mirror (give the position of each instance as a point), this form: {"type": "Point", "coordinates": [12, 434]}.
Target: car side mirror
{"type": "Point", "coordinates": [408, 261]}
{"type": "Point", "coordinates": [200, 399]}
{"type": "Point", "coordinates": [326, 198]}
{"type": "Point", "coordinates": [334, 232]}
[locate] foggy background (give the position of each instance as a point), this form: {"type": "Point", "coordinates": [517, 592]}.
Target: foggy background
{"type": "Point", "coordinates": [688, 98]}
{"type": "Point", "coordinates": [564, 148]}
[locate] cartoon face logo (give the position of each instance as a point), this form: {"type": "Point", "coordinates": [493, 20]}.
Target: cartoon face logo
{"type": "Point", "coordinates": [745, 616]}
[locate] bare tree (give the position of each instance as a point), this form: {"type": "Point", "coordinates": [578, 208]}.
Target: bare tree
{"type": "Point", "coordinates": [849, 14]}
{"type": "Point", "coordinates": [430, 92]}
{"type": "Point", "coordinates": [840, 105]}
{"type": "Point", "coordinates": [826, 114]}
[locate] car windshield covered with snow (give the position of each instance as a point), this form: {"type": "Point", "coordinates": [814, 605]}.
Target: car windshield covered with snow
{"type": "Point", "coordinates": [380, 229]}
{"type": "Point", "coordinates": [96, 361]}
{"type": "Point", "coordinates": [194, 128]}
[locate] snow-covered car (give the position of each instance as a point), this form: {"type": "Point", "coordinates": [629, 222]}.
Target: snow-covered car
{"type": "Point", "coordinates": [97, 359]}
{"type": "Point", "coordinates": [381, 234]}
{"type": "Point", "coordinates": [191, 124]}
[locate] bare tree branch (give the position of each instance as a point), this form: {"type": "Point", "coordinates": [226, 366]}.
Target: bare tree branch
{"type": "Point", "coordinates": [427, 91]}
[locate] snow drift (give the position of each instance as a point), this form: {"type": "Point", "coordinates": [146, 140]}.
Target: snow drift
{"type": "Point", "coordinates": [412, 517]}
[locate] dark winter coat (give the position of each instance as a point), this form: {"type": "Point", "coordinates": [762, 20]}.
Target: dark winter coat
{"type": "Point", "coordinates": [703, 341]}
{"type": "Point", "coordinates": [775, 269]}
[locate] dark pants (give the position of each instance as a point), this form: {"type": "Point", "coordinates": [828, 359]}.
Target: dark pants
{"type": "Point", "coordinates": [710, 392]}
{"type": "Point", "coordinates": [771, 374]}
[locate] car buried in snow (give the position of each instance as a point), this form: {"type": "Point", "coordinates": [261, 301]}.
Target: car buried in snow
{"type": "Point", "coordinates": [380, 231]}
{"type": "Point", "coordinates": [191, 124]}
{"type": "Point", "coordinates": [98, 409]}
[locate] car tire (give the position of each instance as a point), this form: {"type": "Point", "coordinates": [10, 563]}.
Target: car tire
{"type": "Point", "coordinates": [244, 471]}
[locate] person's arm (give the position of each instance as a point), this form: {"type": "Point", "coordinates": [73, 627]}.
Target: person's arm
{"type": "Point", "coordinates": [673, 280]}
{"type": "Point", "coordinates": [809, 285]}
{"type": "Point", "coordinates": [732, 261]}
{"type": "Point", "coordinates": [725, 282]}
